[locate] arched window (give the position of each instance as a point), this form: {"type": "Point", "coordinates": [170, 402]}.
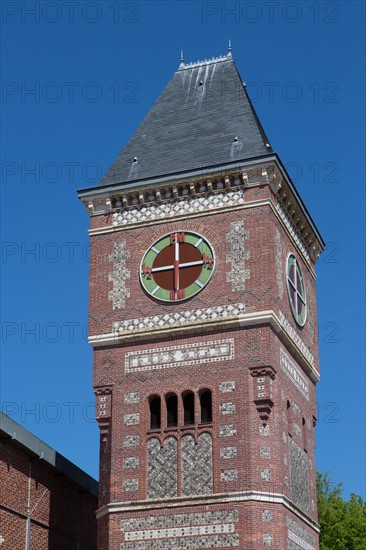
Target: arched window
{"type": "Point", "coordinates": [206, 406]}
{"type": "Point", "coordinates": [188, 406]}
{"type": "Point", "coordinates": [171, 402]}
{"type": "Point", "coordinates": [155, 412]}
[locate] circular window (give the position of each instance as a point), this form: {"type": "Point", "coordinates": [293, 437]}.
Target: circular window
{"type": "Point", "coordinates": [296, 290]}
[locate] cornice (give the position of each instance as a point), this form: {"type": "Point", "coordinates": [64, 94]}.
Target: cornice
{"type": "Point", "coordinates": [205, 194]}
{"type": "Point", "coordinates": [209, 320]}
{"type": "Point", "coordinates": [203, 500]}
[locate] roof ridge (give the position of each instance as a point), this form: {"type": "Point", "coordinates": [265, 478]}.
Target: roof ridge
{"type": "Point", "coordinates": [192, 64]}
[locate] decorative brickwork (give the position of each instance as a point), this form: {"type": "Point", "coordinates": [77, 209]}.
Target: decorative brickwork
{"type": "Point", "coordinates": [131, 419]}
{"type": "Point", "coordinates": [229, 475]}
{"type": "Point", "coordinates": [294, 374]}
{"type": "Point", "coordinates": [131, 463]}
{"type": "Point", "coordinates": [162, 468]}
{"type": "Point", "coordinates": [119, 275]}
{"type": "Point", "coordinates": [178, 356]}
{"type": "Point", "coordinates": [292, 231]}
{"type": "Point", "coordinates": [299, 537]}
{"type": "Point", "coordinates": [279, 263]}
{"type": "Point", "coordinates": [228, 386]}
{"type": "Point", "coordinates": [228, 452]}
{"type": "Point", "coordinates": [228, 430]}
{"type": "Point", "coordinates": [192, 205]}
{"type": "Point", "coordinates": [227, 408]}
{"type": "Point", "coordinates": [265, 452]}
{"type": "Point", "coordinates": [296, 338]}
{"type": "Point", "coordinates": [197, 465]}
{"type": "Point", "coordinates": [130, 485]}
{"type": "Point", "coordinates": [131, 398]}
{"type": "Point", "coordinates": [193, 317]}
{"type": "Point", "coordinates": [237, 256]}
{"type": "Point", "coordinates": [131, 440]}
{"type": "Point", "coordinates": [309, 304]}
{"type": "Point", "coordinates": [266, 474]}
{"type": "Point", "coordinates": [299, 476]}
{"type": "Point", "coordinates": [182, 531]}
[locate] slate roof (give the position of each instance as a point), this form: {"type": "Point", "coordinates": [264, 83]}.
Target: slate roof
{"type": "Point", "coordinates": [203, 118]}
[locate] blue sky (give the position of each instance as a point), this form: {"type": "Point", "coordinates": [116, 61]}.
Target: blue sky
{"type": "Point", "coordinates": [77, 79]}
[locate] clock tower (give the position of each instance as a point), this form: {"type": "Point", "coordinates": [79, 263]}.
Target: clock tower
{"type": "Point", "coordinates": [204, 329]}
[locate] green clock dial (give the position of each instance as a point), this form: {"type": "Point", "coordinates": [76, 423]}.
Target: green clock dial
{"type": "Point", "coordinates": [177, 266]}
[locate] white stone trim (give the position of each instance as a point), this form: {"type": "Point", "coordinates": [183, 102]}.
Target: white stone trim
{"type": "Point", "coordinates": [179, 356]}
{"type": "Point", "coordinates": [236, 320]}
{"type": "Point", "coordinates": [218, 498]}
{"type": "Point", "coordinates": [174, 532]}
{"type": "Point", "coordinates": [299, 541]}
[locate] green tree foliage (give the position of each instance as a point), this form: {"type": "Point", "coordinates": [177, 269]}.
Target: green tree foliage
{"type": "Point", "coordinates": [342, 523]}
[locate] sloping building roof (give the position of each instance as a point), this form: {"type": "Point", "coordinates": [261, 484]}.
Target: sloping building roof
{"type": "Point", "coordinates": [203, 118]}
{"type": "Point", "coordinates": [32, 445]}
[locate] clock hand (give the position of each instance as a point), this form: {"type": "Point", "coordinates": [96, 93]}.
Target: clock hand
{"type": "Point", "coordinates": [176, 264]}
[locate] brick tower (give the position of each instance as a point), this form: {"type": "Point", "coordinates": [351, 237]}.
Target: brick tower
{"type": "Point", "coordinates": [204, 329]}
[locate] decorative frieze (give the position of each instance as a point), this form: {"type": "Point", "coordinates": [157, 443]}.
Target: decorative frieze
{"type": "Point", "coordinates": [179, 520]}
{"type": "Point", "coordinates": [162, 468]}
{"type": "Point", "coordinates": [291, 332]}
{"type": "Point", "coordinates": [227, 408]}
{"type": "Point", "coordinates": [181, 531]}
{"type": "Point", "coordinates": [131, 398]}
{"type": "Point", "coordinates": [237, 256]}
{"type": "Point", "coordinates": [131, 463]}
{"type": "Point", "coordinates": [299, 535]}
{"type": "Point", "coordinates": [131, 419]}
{"type": "Point", "coordinates": [229, 475]}
{"type": "Point", "coordinates": [228, 430]}
{"type": "Point", "coordinates": [294, 374]}
{"type": "Point", "coordinates": [174, 320]}
{"type": "Point", "coordinates": [179, 208]}
{"type": "Point", "coordinates": [131, 440]}
{"type": "Point", "coordinates": [228, 452]}
{"type": "Point", "coordinates": [179, 356]}
{"type": "Point", "coordinates": [197, 477]}
{"type": "Point", "coordinates": [226, 387]}
{"type": "Point", "coordinates": [299, 477]}
{"type": "Point", "coordinates": [119, 275]}
{"type": "Point", "coordinates": [131, 485]}
{"type": "Point", "coordinates": [187, 543]}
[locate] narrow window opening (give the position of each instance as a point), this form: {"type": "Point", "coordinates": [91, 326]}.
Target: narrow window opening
{"type": "Point", "coordinates": [172, 410]}
{"type": "Point", "coordinates": [155, 413]}
{"type": "Point", "coordinates": [188, 406]}
{"type": "Point", "coordinates": [206, 407]}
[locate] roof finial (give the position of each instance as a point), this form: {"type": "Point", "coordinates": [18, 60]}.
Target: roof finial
{"type": "Point", "coordinates": [181, 57]}
{"type": "Point", "coordinates": [229, 48]}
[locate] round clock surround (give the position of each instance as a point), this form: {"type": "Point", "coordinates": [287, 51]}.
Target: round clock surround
{"type": "Point", "coordinates": [296, 290]}
{"type": "Point", "coordinates": [177, 266]}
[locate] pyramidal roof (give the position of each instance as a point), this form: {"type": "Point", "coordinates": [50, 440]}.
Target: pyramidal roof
{"type": "Point", "coordinates": [204, 118]}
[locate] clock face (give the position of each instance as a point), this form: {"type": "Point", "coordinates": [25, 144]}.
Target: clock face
{"type": "Point", "coordinates": [177, 266]}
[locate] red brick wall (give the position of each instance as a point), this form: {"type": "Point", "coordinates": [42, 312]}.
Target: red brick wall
{"type": "Point", "coordinates": [255, 347]}
{"type": "Point", "coordinates": [62, 513]}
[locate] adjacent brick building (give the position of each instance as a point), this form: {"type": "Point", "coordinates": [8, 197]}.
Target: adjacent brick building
{"type": "Point", "coordinates": [46, 502]}
{"type": "Point", "coordinates": [204, 327]}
